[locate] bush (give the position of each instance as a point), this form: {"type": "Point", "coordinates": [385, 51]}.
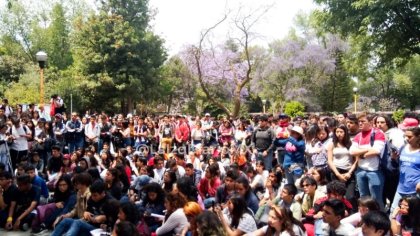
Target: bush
{"type": "Point", "coordinates": [398, 115]}
{"type": "Point", "coordinates": [294, 108]}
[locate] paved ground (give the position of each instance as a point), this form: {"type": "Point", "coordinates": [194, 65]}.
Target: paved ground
{"type": "Point", "coordinates": [16, 233]}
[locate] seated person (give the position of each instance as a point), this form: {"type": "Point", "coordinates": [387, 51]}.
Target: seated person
{"type": "Point", "coordinates": [23, 204]}
{"type": "Point", "coordinates": [38, 181]}
{"type": "Point", "coordinates": [8, 191]}
{"type": "Point", "coordinates": [93, 217]}
{"type": "Point", "coordinates": [375, 223]}
{"type": "Point", "coordinates": [332, 212]}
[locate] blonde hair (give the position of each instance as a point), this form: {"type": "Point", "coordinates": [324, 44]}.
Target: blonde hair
{"type": "Point", "coordinates": [192, 209]}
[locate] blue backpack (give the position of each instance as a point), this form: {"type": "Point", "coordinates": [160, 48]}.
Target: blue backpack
{"type": "Point", "coordinates": [386, 163]}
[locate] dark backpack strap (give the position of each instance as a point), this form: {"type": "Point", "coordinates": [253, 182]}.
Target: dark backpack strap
{"type": "Point", "coordinates": [372, 137]}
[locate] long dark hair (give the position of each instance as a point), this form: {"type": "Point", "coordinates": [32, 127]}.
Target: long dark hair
{"type": "Point", "coordinates": [60, 196]}
{"type": "Point", "coordinates": [186, 186]}
{"type": "Point", "coordinates": [155, 188]}
{"type": "Point", "coordinates": [239, 209]}
{"type": "Point", "coordinates": [346, 142]}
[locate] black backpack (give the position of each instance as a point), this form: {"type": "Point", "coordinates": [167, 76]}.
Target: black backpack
{"type": "Point", "coordinates": [386, 163]}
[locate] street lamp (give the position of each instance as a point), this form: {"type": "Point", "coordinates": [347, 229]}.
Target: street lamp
{"type": "Point", "coordinates": [355, 99]}
{"type": "Point", "coordinates": [41, 57]}
{"type": "Point", "coordinates": [264, 101]}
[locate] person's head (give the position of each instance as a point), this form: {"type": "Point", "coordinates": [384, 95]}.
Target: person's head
{"type": "Point", "coordinates": [309, 185]}
{"type": "Point", "coordinates": [128, 212]}
{"type": "Point", "coordinates": [365, 122]}
{"type": "Point", "coordinates": [55, 151]}
{"type": "Point", "coordinates": [154, 193]}
{"type": "Point", "coordinates": [158, 161]}
{"type": "Point", "coordinates": [212, 171]}
{"type": "Point", "coordinates": [30, 170]}
{"type": "Point", "coordinates": [237, 207]}
{"type": "Point", "coordinates": [341, 118]}
{"type": "Point", "coordinates": [367, 204]}
{"type": "Point", "coordinates": [189, 169]}
{"type": "Point", "coordinates": [230, 178]}
{"type": "Point", "coordinates": [192, 210]}
{"type": "Point", "coordinates": [112, 175]}
{"type": "Point", "coordinates": [169, 177]}
{"type": "Point", "coordinates": [375, 223]}
{"type": "Point", "coordinates": [320, 175]}
{"type": "Point", "coordinates": [74, 116]}
{"type": "Point", "coordinates": [124, 228]}
{"type": "Point", "coordinates": [83, 164]}
{"type": "Point", "coordinates": [412, 136]}
{"type": "Point", "coordinates": [208, 224]}
{"type": "Point", "coordinates": [275, 176]}
{"type": "Point", "coordinates": [174, 201]}
{"type": "Point", "coordinates": [64, 184]}
{"type": "Point", "coordinates": [6, 179]}
{"type": "Point", "coordinates": [288, 192]}
{"type": "Point", "coordinates": [242, 186]}
{"type": "Point", "coordinates": [333, 211]}
{"type": "Point", "coordinates": [336, 189]}
{"type": "Point", "coordinates": [384, 122]}
{"type": "Point", "coordinates": [97, 191]}
{"type": "Point", "coordinates": [352, 124]}
{"type": "Point", "coordinates": [297, 132]}
{"type": "Point", "coordinates": [82, 181]}
{"type": "Point", "coordinates": [24, 182]}
{"type": "Point", "coordinates": [185, 186]}
{"type": "Point", "coordinates": [281, 218]}
{"type": "Point", "coordinates": [322, 132]}
{"type": "Point", "coordinates": [341, 135]}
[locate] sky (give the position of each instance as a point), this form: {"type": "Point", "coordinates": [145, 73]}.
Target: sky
{"type": "Point", "coordinates": [180, 22]}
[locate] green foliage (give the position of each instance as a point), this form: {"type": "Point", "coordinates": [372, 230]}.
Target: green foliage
{"type": "Point", "coordinates": [294, 108]}
{"type": "Point", "coordinates": [398, 115]}
{"type": "Point", "coordinates": [390, 28]}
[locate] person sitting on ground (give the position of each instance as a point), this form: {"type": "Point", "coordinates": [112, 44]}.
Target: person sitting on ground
{"type": "Point", "coordinates": [375, 223]}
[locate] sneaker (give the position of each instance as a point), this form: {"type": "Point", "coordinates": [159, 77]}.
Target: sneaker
{"type": "Point", "coordinates": [40, 233]}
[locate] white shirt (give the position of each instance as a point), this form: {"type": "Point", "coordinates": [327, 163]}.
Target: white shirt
{"type": "Point", "coordinates": [20, 143]}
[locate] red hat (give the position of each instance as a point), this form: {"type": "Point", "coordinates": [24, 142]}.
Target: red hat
{"type": "Point", "coordinates": [66, 156]}
{"type": "Point", "coordinates": [409, 123]}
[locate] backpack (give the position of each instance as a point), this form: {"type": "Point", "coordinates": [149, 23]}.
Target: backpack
{"type": "Point", "coordinates": [386, 163]}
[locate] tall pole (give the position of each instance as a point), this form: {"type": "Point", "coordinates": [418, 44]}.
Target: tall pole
{"type": "Point", "coordinates": [41, 87]}
{"type": "Point", "coordinates": [355, 103]}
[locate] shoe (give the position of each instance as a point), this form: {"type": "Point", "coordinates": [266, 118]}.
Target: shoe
{"type": "Point", "coordinates": [40, 233]}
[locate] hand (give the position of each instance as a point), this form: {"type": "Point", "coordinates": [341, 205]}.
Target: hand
{"type": "Point", "coordinates": [255, 151]}
{"type": "Point", "coordinates": [341, 178]}
{"type": "Point", "coordinates": [318, 215]}
{"type": "Point", "coordinates": [58, 220]}
{"type": "Point", "coordinates": [395, 212]}
{"type": "Point", "coordinates": [59, 205]}
{"type": "Point", "coordinates": [265, 153]}
{"type": "Point", "coordinates": [17, 224]}
{"type": "Point", "coordinates": [87, 216]}
{"type": "Point", "coordinates": [9, 225]}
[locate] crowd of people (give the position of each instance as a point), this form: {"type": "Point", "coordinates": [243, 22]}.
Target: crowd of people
{"type": "Point", "coordinates": [101, 174]}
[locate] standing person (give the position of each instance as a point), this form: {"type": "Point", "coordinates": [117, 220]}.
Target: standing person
{"type": "Point", "coordinates": [294, 155]}
{"type": "Point", "coordinates": [341, 163]}
{"type": "Point", "coordinates": [5, 138]}
{"type": "Point", "coordinates": [394, 141]}
{"type": "Point", "coordinates": [167, 132]}
{"type": "Point", "coordinates": [262, 142]}
{"type": "Point", "coordinates": [409, 160]}
{"type": "Point", "coordinates": [104, 132]}
{"type": "Point", "coordinates": [352, 125]}
{"type": "Point", "coordinates": [92, 132]}
{"type": "Point", "coordinates": [182, 133]}
{"type": "Point", "coordinates": [282, 132]}
{"type": "Point", "coordinates": [74, 132]}
{"type": "Point", "coordinates": [59, 128]}
{"type": "Point", "coordinates": [20, 134]}
{"type": "Point", "coordinates": [367, 147]}
{"type": "Point", "coordinates": [57, 105]}
{"type": "Point", "coordinates": [7, 108]}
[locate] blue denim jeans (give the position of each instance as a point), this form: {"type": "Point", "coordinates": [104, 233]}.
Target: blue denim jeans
{"type": "Point", "coordinates": [74, 227]}
{"type": "Point", "coordinates": [371, 183]}
{"type": "Point", "coordinates": [73, 146]}
{"type": "Point", "coordinates": [268, 160]}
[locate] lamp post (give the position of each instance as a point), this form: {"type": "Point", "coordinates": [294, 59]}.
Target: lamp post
{"type": "Point", "coordinates": [355, 99]}
{"type": "Point", "coordinates": [264, 101]}
{"type": "Point", "coordinates": [41, 57]}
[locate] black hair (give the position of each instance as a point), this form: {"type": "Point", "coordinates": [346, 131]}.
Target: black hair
{"type": "Point", "coordinates": [232, 174]}
{"type": "Point", "coordinates": [23, 179]}
{"type": "Point", "coordinates": [368, 202]}
{"type": "Point", "coordinates": [245, 182]}
{"type": "Point", "coordinates": [131, 213]}
{"type": "Point", "coordinates": [94, 172]}
{"type": "Point", "coordinates": [83, 178]}
{"type": "Point", "coordinates": [291, 189]}
{"type": "Point", "coordinates": [214, 169]}
{"type": "Point", "coordinates": [155, 188]}
{"type": "Point", "coordinates": [346, 142]}
{"type": "Point", "coordinates": [337, 187]}
{"type": "Point", "coordinates": [29, 167]}
{"type": "Point", "coordinates": [309, 180]}
{"type": "Point", "coordinates": [123, 228]}
{"type": "Point", "coordinates": [60, 196]}
{"type": "Point", "coordinates": [6, 175]}
{"type": "Point", "coordinates": [209, 224]}
{"type": "Point", "coordinates": [189, 165]}
{"type": "Point", "coordinates": [169, 186]}
{"type": "Point", "coordinates": [337, 206]}
{"type": "Point", "coordinates": [239, 209]}
{"type": "Point", "coordinates": [186, 186]}
{"type": "Point", "coordinates": [378, 220]}
{"type": "Point", "coordinates": [111, 209]}
{"type": "Point", "coordinates": [97, 187]}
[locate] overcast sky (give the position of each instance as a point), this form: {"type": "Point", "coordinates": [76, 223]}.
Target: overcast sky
{"type": "Point", "coordinates": [180, 22]}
